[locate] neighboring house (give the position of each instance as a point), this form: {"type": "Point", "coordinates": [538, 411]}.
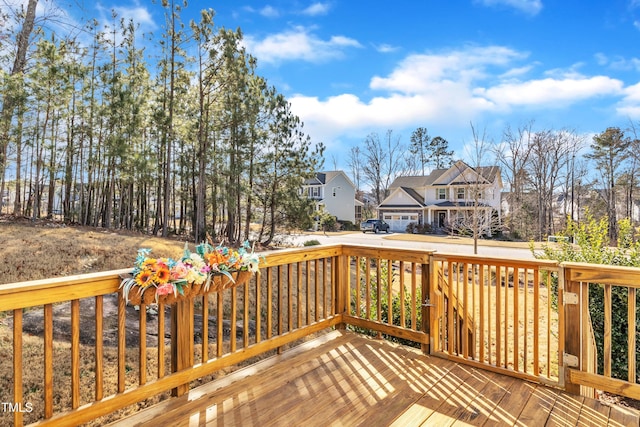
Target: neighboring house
{"type": "Point", "coordinates": [336, 193]}
{"type": "Point", "coordinates": [444, 197]}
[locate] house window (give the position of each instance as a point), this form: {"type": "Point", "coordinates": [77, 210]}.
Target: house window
{"type": "Point", "coordinates": [314, 192]}
{"type": "Point", "coordinates": [441, 193]}
{"type": "Point", "coordinates": [460, 193]}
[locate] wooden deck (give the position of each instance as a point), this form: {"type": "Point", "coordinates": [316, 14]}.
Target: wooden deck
{"type": "Point", "coordinates": [343, 378]}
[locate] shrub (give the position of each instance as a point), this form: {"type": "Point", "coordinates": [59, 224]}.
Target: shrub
{"type": "Point", "coordinates": [313, 242]}
{"type": "Point", "coordinates": [414, 228]}
{"type": "Point", "coordinates": [348, 225]}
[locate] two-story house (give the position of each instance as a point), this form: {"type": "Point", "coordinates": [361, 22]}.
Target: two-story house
{"type": "Point", "coordinates": [334, 192]}
{"type": "Point", "coordinates": [444, 197]}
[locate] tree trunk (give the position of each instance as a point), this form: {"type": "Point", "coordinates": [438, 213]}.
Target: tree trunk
{"type": "Point", "coordinates": [10, 98]}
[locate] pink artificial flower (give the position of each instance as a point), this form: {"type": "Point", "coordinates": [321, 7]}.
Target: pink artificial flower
{"type": "Point", "coordinates": [179, 271]}
{"type": "Point", "coordinates": [165, 289]}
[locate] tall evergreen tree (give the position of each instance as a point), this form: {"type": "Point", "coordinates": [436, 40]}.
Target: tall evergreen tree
{"type": "Point", "coordinates": [609, 151]}
{"type": "Point", "coordinates": [419, 147]}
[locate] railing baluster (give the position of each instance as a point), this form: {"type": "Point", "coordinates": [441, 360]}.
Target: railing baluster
{"type": "Point", "coordinates": [526, 320]}
{"type": "Point", "coordinates": [258, 282]}
{"type": "Point", "coordinates": [233, 320]}
{"type": "Point", "coordinates": [220, 324]}
{"type": "Point", "coordinates": [280, 296]}
{"type": "Point", "coordinates": [316, 271]}
{"type": "Point", "coordinates": [390, 292]}
{"type": "Point", "coordinates": [549, 293]}
{"type": "Point", "coordinates": [17, 365]}
{"type": "Point", "coordinates": [270, 302]}
{"type": "Point", "coordinates": [368, 288]}
{"type": "Point", "coordinates": [161, 346]}
{"type": "Point", "coordinates": [357, 311]}
{"type": "Point", "coordinates": [121, 344]}
{"type": "Point", "coordinates": [48, 360]}
{"type": "Point", "coordinates": [516, 319]}
{"type": "Point", "coordinates": [481, 302]}
{"type": "Point", "coordinates": [607, 330]}
{"type": "Point", "coordinates": [378, 290]}
{"type": "Point", "coordinates": [453, 285]}
{"type": "Point", "coordinates": [414, 295]}
{"type": "Point", "coordinates": [489, 311]}
{"type": "Point", "coordinates": [245, 315]}
{"type": "Point", "coordinates": [299, 290]}
{"type": "Point", "coordinates": [205, 327]}
{"type": "Point", "coordinates": [536, 322]}
{"type": "Point", "coordinates": [498, 315]}
{"type": "Point", "coordinates": [308, 291]}
{"type": "Point", "coordinates": [290, 297]}
{"type": "Point", "coordinates": [99, 354]}
{"type": "Point", "coordinates": [142, 345]}
{"type": "Point", "coordinates": [631, 337]}
{"type": "Point", "coordinates": [75, 353]}
{"type": "Point", "coordinates": [402, 308]}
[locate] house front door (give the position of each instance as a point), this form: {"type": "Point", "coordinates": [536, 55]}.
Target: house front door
{"type": "Point", "coordinates": [442, 219]}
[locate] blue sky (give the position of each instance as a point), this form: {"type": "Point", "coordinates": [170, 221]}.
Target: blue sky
{"type": "Point", "coordinates": [352, 67]}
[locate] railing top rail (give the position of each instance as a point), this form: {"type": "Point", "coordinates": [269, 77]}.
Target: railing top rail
{"type": "Point", "coordinates": [600, 273]}
{"type": "Point", "coordinates": [58, 289]}
{"type": "Point", "coordinates": [482, 259]}
{"type": "Point", "coordinates": [308, 253]}
{"type": "Point", "coordinates": [420, 256]}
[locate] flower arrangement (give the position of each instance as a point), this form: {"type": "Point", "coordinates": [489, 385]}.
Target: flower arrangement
{"type": "Point", "coordinates": [209, 268]}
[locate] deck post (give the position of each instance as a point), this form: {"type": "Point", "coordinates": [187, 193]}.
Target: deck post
{"type": "Point", "coordinates": [572, 353]}
{"type": "Point", "coordinates": [181, 340]}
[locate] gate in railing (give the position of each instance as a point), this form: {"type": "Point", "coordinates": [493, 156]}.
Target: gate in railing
{"type": "Point", "coordinates": [498, 314]}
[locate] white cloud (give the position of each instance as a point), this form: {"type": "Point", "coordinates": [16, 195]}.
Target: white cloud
{"type": "Point", "coordinates": [423, 73]}
{"type": "Point", "coordinates": [269, 12]}
{"type": "Point", "coordinates": [317, 9]}
{"type": "Point", "coordinates": [386, 48]}
{"type": "Point", "coordinates": [549, 92]}
{"type": "Point", "coordinates": [515, 72]}
{"type": "Point", "coordinates": [298, 43]}
{"type": "Point", "coordinates": [630, 104]}
{"type": "Point", "coordinates": [138, 14]}
{"type": "Point", "coordinates": [618, 63]}
{"type": "Point", "coordinates": [451, 89]}
{"type": "Point", "coordinates": [530, 7]}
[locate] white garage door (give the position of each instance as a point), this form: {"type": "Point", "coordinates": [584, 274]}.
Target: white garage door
{"type": "Point", "coordinates": [398, 222]}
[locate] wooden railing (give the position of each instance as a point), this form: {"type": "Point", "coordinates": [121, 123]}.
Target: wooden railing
{"type": "Point", "coordinates": [516, 317]}
{"type": "Point", "coordinates": [292, 296]}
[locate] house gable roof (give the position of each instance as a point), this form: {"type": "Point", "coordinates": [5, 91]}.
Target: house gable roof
{"type": "Point", "coordinates": [323, 178]}
{"type": "Point", "coordinates": [415, 200]}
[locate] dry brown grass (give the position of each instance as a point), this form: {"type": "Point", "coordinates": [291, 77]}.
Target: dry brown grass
{"type": "Point", "coordinates": [41, 250]}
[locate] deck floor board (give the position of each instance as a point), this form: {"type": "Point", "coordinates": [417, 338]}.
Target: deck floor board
{"type": "Point", "coordinates": [344, 378]}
